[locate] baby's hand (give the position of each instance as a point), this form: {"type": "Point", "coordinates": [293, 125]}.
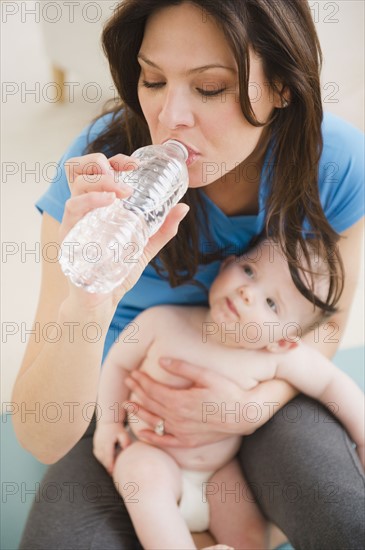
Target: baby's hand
{"type": "Point", "coordinates": [106, 437]}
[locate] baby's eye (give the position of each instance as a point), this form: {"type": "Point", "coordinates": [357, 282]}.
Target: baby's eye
{"type": "Point", "coordinates": [248, 270]}
{"type": "Point", "coordinates": [271, 304]}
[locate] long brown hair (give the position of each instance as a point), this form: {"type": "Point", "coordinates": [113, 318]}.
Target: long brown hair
{"type": "Point", "coordinates": [283, 35]}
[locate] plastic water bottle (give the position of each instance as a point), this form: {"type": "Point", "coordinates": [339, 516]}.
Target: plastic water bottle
{"type": "Point", "coordinates": [103, 247]}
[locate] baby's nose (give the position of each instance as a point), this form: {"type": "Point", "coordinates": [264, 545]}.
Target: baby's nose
{"type": "Point", "coordinates": [246, 294]}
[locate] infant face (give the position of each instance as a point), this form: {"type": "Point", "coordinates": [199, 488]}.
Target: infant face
{"type": "Point", "coordinates": [257, 293]}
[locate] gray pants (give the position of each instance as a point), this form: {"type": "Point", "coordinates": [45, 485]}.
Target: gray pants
{"type": "Point", "coordinates": [301, 467]}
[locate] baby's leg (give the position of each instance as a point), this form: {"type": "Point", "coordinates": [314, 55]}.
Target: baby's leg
{"type": "Point", "coordinates": [235, 518]}
{"type": "Point", "coordinates": [149, 481]}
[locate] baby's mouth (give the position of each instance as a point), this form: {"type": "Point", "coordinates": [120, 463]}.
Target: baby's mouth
{"type": "Point", "coordinates": [232, 307]}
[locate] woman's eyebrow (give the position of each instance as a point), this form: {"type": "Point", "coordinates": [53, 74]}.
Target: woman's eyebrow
{"type": "Point", "coordinates": [195, 70]}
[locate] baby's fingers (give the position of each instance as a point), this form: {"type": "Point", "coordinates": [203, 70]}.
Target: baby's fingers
{"type": "Point", "coordinates": [108, 457]}
{"type": "Point", "coordinates": [124, 439]}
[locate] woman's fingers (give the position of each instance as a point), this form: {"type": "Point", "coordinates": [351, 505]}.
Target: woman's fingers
{"type": "Point", "coordinates": [167, 440]}
{"type": "Point", "coordinates": [152, 405]}
{"type": "Point", "coordinates": [100, 183]}
{"type": "Point", "coordinates": [200, 376]}
{"type": "Point", "coordinates": [146, 387]}
{"type": "Point", "coordinates": [95, 163]}
{"type": "Point", "coordinates": [97, 173]}
{"type": "Point", "coordinates": [98, 163]}
{"type": "Point", "coordinates": [140, 413]}
{"type": "Point", "coordinates": [94, 182]}
{"type": "Point", "coordinates": [121, 163]}
{"type": "Point", "coordinates": [167, 402]}
{"type": "Point", "coordinates": [77, 207]}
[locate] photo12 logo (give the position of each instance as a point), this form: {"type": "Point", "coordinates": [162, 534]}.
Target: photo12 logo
{"type": "Point", "coordinates": [54, 12]}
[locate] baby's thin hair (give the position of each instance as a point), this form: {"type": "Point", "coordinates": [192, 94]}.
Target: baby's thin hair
{"type": "Point", "coordinates": [312, 279]}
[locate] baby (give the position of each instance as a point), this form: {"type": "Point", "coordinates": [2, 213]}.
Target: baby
{"type": "Point", "coordinates": [254, 304]}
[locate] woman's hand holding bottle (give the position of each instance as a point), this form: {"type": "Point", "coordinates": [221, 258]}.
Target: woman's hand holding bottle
{"type": "Point", "coordinates": [93, 181]}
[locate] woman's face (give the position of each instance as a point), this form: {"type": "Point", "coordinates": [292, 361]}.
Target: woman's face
{"type": "Point", "coordinates": [185, 95]}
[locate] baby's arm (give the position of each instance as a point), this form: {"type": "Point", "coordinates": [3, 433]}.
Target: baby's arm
{"type": "Point", "coordinates": [125, 355]}
{"type": "Point", "coordinates": [315, 375]}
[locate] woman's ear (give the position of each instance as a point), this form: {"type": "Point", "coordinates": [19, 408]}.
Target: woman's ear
{"type": "Point", "coordinates": [282, 97]}
{"type": "Point", "coordinates": [281, 346]}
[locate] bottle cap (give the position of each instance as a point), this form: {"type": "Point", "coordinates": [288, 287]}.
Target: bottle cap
{"type": "Point", "coordinates": [181, 146]}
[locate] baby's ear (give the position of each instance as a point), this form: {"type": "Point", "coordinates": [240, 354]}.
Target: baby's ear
{"type": "Point", "coordinates": [281, 346]}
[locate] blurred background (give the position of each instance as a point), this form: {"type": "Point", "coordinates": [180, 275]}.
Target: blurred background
{"type": "Point", "coordinates": [43, 44]}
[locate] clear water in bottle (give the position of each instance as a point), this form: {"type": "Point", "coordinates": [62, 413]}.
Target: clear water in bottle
{"type": "Point", "coordinates": [102, 248]}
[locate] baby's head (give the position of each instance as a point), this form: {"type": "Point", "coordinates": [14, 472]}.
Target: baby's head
{"type": "Point", "coordinates": [256, 303]}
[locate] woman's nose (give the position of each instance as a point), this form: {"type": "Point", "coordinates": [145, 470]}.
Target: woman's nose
{"type": "Point", "coordinates": [176, 110]}
{"type": "Point", "coordinates": [247, 294]}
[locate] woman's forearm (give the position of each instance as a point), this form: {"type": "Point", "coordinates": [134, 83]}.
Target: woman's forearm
{"type": "Point", "coordinates": [55, 397]}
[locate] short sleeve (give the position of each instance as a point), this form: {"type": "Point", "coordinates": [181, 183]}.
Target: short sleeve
{"type": "Point", "coordinates": [53, 200]}
{"type": "Point", "coordinates": [341, 173]}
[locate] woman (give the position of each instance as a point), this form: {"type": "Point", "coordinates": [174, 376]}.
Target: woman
{"type": "Point", "coordinates": [238, 83]}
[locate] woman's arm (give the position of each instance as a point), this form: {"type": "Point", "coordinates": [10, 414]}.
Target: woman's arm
{"type": "Point", "coordinates": [60, 371]}
{"type": "Point", "coordinates": [63, 371]}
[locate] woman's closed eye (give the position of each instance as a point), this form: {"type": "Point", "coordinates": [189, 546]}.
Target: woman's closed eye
{"type": "Point", "coordinates": [205, 93]}
{"type": "Point", "coordinates": [211, 93]}
{"type": "Point", "coordinates": [147, 84]}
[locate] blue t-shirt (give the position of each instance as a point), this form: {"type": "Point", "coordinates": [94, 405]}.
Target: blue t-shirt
{"type": "Point", "coordinates": [341, 187]}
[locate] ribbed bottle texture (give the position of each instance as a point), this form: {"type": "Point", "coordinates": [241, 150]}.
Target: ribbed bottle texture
{"type": "Point", "coordinates": [101, 249]}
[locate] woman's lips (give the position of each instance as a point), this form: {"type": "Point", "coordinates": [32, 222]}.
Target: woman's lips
{"type": "Point", "coordinates": [192, 157]}
{"type": "Point", "coordinates": [193, 154]}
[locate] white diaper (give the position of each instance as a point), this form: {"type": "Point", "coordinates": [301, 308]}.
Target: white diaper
{"type": "Point", "coordinates": [193, 504]}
